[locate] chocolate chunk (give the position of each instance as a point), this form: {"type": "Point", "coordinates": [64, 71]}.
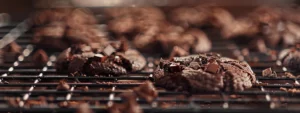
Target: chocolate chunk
{"type": "Point", "coordinates": [84, 108]}
{"type": "Point", "coordinates": [146, 91]}
{"type": "Point", "coordinates": [80, 48]}
{"type": "Point", "coordinates": [13, 102]}
{"type": "Point", "coordinates": [178, 52]}
{"type": "Point", "coordinates": [204, 72]}
{"type": "Point", "coordinates": [194, 65]}
{"type": "Point", "coordinates": [268, 73]}
{"type": "Point", "coordinates": [12, 48]}
{"type": "Point", "coordinates": [63, 61]}
{"type": "Point", "coordinates": [40, 102]}
{"type": "Point", "coordinates": [133, 60]}
{"type": "Point", "coordinates": [76, 64]}
{"type": "Point", "coordinates": [129, 104]}
{"type": "Point", "coordinates": [213, 67]}
{"type": "Point", "coordinates": [174, 67]}
{"type": "Point", "coordinates": [289, 75]}
{"type": "Point", "coordinates": [124, 45]}
{"type": "Point", "coordinates": [10, 52]}
{"type": "Point", "coordinates": [63, 86]}
{"type": "Point", "coordinates": [40, 58]}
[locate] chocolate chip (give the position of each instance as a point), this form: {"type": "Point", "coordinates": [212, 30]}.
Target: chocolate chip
{"type": "Point", "coordinates": [268, 73]}
{"type": "Point", "coordinates": [76, 64]}
{"type": "Point", "coordinates": [146, 91]}
{"type": "Point", "coordinates": [213, 67]}
{"type": "Point", "coordinates": [97, 58]}
{"type": "Point", "coordinates": [178, 52]}
{"type": "Point", "coordinates": [174, 67]}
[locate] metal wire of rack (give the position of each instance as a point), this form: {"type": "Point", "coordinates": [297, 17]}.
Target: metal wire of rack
{"type": "Point", "coordinates": [23, 85]}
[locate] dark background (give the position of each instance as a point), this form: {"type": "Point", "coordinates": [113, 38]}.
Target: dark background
{"type": "Point", "coordinates": [18, 9]}
{"type": "Point", "coordinates": [21, 9]}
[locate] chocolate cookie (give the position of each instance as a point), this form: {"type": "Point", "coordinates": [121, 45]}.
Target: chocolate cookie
{"type": "Point", "coordinates": [85, 60]}
{"type": "Point", "coordinates": [204, 72]}
{"type": "Point", "coordinates": [191, 40]}
{"type": "Point", "coordinates": [72, 26]}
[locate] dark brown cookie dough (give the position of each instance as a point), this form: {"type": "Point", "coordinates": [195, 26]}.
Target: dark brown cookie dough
{"type": "Point", "coordinates": [204, 72]}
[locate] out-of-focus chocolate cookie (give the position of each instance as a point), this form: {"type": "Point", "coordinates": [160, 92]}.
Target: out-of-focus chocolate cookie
{"type": "Point", "coordinates": [204, 72]}
{"type": "Point", "coordinates": [191, 40]}
{"type": "Point", "coordinates": [80, 16]}
{"type": "Point", "coordinates": [72, 26]}
{"type": "Point", "coordinates": [291, 58]}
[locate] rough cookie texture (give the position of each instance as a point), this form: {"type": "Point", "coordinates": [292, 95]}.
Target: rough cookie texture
{"type": "Point", "coordinates": [85, 60]}
{"type": "Point", "coordinates": [204, 72]}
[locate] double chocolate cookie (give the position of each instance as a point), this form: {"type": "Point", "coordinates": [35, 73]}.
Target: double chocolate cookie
{"type": "Point", "coordinates": [204, 72]}
{"type": "Point", "coordinates": [85, 60]}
